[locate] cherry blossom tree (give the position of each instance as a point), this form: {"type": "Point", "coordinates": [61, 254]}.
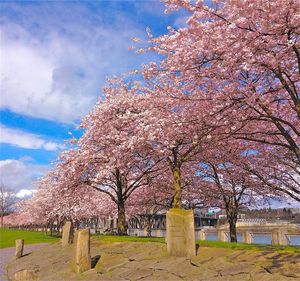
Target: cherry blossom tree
{"type": "Point", "coordinates": [63, 201]}
{"type": "Point", "coordinates": [232, 72]}
{"type": "Point", "coordinates": [225, 182]}
{"type": "Point", "coordinates": [55, 202]}
{"type": "Point", "coordinates": [137, 133]}
{"type": "Point", "coordinates": [247, 53]}
{"type": "Point", "coordinates": [7, 201]}
{"type": "Point", "coordinates": [146, 202]}
{"type": "Point", "coordinates": [106, 158]}
{"type": "Point", "coordinates": [171, 130]}
{"type": "Point", "coordinates": [273, 167]}
{"type": "Point", "coordinates": [156, 120]}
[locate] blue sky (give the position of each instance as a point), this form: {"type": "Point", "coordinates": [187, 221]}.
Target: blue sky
{"type": "Point", "coordinates": [55, 57]}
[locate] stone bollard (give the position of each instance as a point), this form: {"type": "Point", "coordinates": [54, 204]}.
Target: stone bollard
{"type": "Point", "coordinates": [67, 234]}
{"type": "Point", "coordinates": [19, 248]}
{"type": "Point", "coordinates": [222, 236]}
{"type": "Point", "coordinates": [202, 235]}
{"type": "Point", "coordinates": [82, 256]}
{"type": "Point", "coordinates": [247, 238]}
{"type": "Point", "coordinates": [279, 237]}
{"type": "Point", "coordinates": [180, 236]}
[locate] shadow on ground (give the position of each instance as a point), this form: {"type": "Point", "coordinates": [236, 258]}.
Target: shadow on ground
{"type": "Point", "coordinates": [95, 259]}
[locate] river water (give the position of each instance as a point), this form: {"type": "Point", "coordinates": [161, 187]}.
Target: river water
{"type": "Point", "coordinates": [258, 238]}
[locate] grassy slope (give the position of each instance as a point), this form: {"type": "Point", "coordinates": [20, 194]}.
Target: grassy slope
{"type": "Point", "coordinates": [217, 244]}
{"type": "Point", "coordinates": [8, 237]}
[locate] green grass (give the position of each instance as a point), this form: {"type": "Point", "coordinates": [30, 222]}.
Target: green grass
{"type": "Point", "coordinates": [116, 238]}
{"type": "Point", "coordinates": [8, 237]}
{"type": "Point", "coordinates": [243, 246]}
{"type": "Point", "coordinates": [216, 244]}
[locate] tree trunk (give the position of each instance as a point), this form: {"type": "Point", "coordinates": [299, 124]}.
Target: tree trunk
{"type": "Point", "coordinates": [232, 213]}
{"type": "Point", "coordinates": [96, 224]}
{"type": "Point", "coordinates": [177, 188]}
{"type": "Point", "coordinates": [121, 205]}
{"type": "Point", "coordinates": [148, 226]}
{"type": "Point", "coordinates": [2, 225]}
{"type": "Point", "coordinates": [121, 217]}
{"type": "Point", "coordinates": [232, 230]}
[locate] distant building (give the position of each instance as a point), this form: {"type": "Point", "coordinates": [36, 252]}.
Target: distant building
{"type": "Point", "coordinates": [288, 214]}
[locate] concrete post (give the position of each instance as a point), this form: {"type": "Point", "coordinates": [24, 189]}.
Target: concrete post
{"type": "Point", "coordinates": [202, 235]}
{"type": "Point", "coordinates": [82, 256]}
{"type": "Point", "coordinates": [115, 223]}
{"type": "Point", "coordinates": [19, 248]}
{"type": "Point", "coordinates": [247, 237]}
{"type": "Point", "coordinates": [67, 234]}
{"type": "Point", "coordinates": [222, 236]}
{"type": "Point", "coordinates": [279, 237]}
{"type": "Point", "coordinates": [181, 233]}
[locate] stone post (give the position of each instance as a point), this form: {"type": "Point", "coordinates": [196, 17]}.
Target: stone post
{"type": "Point", "coordinates": [82, 256]}
{"type": "Point", "coordinates": [222, 236]}
{"type": "Point", "coordinates": [181, 233]}
{"type": "Point", "coordinates": [284, 240]}
{"type": "Point", "coordinates": [19, 248]}
{"type": "Point", "coordinates": [115, 223]}
{"type": "Point", "coordinates": [67, 234]}
{"type": "Point", "coordinates": [202, 235]}
{"type": "Point", "coordinates": [279, 237]}
{"type": "Point", "coordinates": [247, 238]}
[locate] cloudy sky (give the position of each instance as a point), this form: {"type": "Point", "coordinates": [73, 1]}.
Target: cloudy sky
{"type": "Point", "coordinates": [55, 57]}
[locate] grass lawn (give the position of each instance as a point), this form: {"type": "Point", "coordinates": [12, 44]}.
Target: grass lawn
{"type": "Point", "coordinates": [8, 237]}
{"type": "Point", "coordinates": [116, 238]}
{"type": "Point", "coordinates": [243, 246]}
{"type": "Point", "coordinates": [216, 244]}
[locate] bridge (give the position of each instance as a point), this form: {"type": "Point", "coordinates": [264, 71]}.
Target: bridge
{"type": "Point", "coordinates": [280, 232]}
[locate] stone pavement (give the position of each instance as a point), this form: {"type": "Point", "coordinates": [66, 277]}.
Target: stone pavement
{"type": "Point", "coordinates": [8, 254]}
{"type": "Point", "coordinates": [141, 261]}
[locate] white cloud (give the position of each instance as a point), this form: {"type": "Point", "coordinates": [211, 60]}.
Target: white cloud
{"type": "Point", "coordinates": [56, 71]}
{"type": "Point", "coordinates": [23, 193]}
{"type": "Point", "coordinates": [20, 174]}
{"type": "Point", "coordinates": [26, 140]}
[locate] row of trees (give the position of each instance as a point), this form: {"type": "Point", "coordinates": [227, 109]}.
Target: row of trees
{"type": "Point", "coordinates": [215, 123]}
{"type": "Point", "coordinates": [8, 200]}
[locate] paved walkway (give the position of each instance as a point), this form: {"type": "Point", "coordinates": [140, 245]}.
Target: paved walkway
{"type": "Point", "coordinates": [149, 261]}
{"type": "Point", "coordinates": [7, 254]}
